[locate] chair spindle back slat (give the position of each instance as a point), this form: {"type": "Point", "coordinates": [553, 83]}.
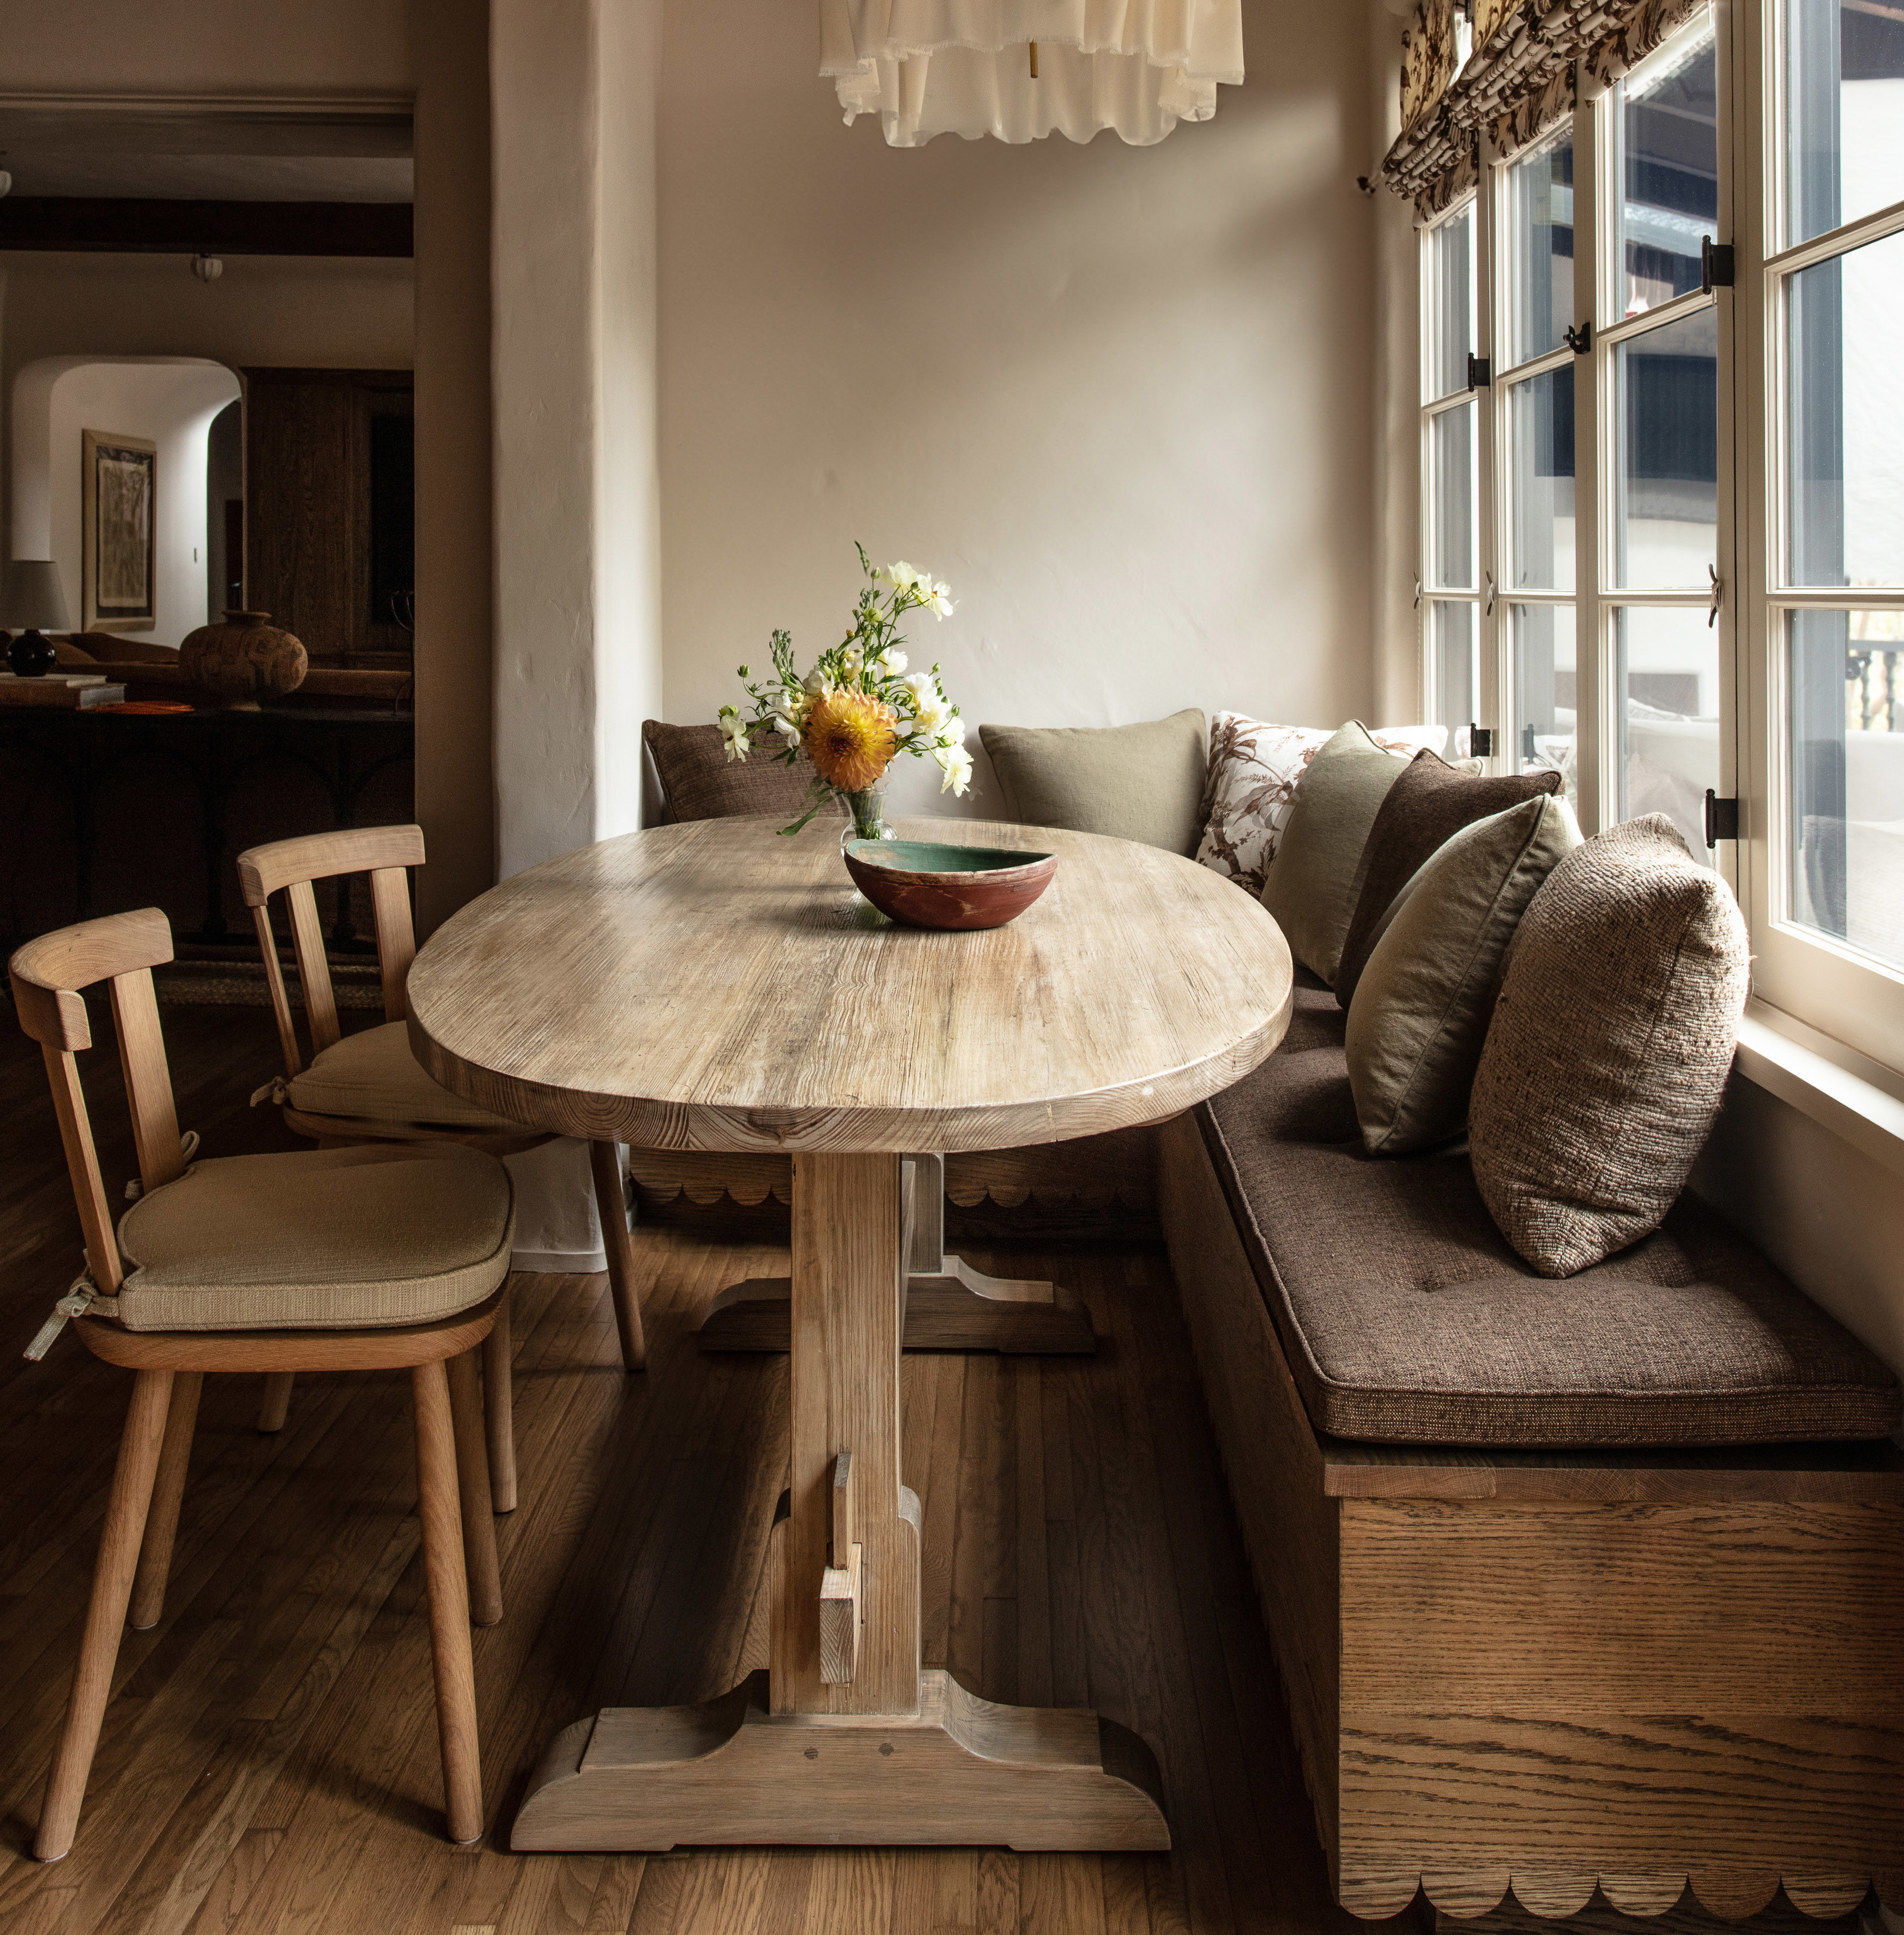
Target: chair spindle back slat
{"type": "Point", "coordinates": [313, 968]}
{"type": "Point", "coordinates": [96, 1227]}
{"type": "Point", "coordinates": [267, 945]}
{"type": "Point", "coordinates": [148, 1079]}
{"type": "Point", "coordinates": [396, 944]}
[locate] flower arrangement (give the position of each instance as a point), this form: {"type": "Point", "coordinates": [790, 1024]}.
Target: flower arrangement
{"type": "Point", "coordinates": [859, 707]}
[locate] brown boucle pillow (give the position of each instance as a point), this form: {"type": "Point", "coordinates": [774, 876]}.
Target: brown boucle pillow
{"type": "Point", "coordinates": [700, 781]}
{"type": "Point", "coordinates": [1610, 1047]}
{"type": "Point", "coordinates": [1424, 810]}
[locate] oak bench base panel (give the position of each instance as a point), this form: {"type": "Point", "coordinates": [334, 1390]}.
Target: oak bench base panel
{"type": "Point", "coordinates": [962, 1773]}
{"type": "Point", "coordinates": [1694, 1684]}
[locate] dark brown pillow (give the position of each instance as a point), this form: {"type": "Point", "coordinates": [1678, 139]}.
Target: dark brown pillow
{"type": "Point", "coordinates": [1427, 806]}
{"type": "Point", "coordinates": [699, 781]}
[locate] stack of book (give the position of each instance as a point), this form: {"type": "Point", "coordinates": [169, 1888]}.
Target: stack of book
{"type": "Point", "coordinates": [73, 690]}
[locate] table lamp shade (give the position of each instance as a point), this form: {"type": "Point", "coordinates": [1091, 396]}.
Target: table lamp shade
{"type": "Point", "coordinates": [1019, 70]}
{"type": "Point", "coordinates": [31, 598]}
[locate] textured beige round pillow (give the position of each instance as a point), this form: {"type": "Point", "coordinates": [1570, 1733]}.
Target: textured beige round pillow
{"type": "Point", "coordinates": [1610, 1047]}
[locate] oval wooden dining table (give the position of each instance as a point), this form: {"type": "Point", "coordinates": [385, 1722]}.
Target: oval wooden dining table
{"type": "Point", "coordinates": [718, 986]}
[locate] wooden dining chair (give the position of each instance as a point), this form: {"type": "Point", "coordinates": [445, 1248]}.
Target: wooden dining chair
{"type": "Point", "coordinates": [367, 1087]}
{"type": "Point", "coordinates": [350, 1259]}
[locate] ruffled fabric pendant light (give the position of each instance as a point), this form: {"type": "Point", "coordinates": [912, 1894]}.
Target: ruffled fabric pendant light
{"type": "Point", "coordinates": [1019, 70]}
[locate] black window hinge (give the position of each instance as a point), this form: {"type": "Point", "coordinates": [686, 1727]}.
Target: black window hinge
{"type": "Point", "coordinates": [1480, 373]}
{"type": "Point", "coordinates": [1579, 340]}
{"type": "Point", "coordinates": [1722, 818]}
{"type": "Point", "coordinates": [1717, 265]}
{"type": "Point", "coordinates": [1480, 742]}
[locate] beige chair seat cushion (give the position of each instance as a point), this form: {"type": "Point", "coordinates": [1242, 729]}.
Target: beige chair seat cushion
{"type": "Point", "coordinates": [344, 1238]}
{"type": "Point", "coordinates": [372, 1075]}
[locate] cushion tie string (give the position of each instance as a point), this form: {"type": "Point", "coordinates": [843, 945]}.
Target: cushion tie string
{"type": "Point", "coordinates": [273, 1091]}
{"type": "Point", "coordinates": [83, 1298]}
{"type": "Point", "coordinates": [187, 1149]}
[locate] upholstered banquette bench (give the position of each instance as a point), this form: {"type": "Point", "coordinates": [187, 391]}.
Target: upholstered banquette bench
{"type": "Point", "coordinates": [1595, 1582]}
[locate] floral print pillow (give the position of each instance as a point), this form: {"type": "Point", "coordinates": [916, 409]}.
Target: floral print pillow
{"type": "Point", "coordinates": [1254, 770]}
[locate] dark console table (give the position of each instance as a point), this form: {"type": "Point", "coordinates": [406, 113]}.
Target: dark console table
{"type": "Point", "coordinates": [103, 811]}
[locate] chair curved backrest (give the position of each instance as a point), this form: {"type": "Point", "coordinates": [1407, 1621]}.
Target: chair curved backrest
{"type": "Point", "coordinates": [385, 853]}
{"type": "Point", "coordinates": [48, 975]}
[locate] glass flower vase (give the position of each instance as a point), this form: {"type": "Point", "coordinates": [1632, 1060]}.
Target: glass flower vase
{"type": "Point", "coordinates": [864, 812]}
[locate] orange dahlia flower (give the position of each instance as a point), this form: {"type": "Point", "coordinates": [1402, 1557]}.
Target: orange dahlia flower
{"type": "Point", "coordinates": [851, 738]}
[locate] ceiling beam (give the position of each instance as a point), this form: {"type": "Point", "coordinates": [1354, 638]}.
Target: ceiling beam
{"type": "Point", "coordinates": [137, 227]}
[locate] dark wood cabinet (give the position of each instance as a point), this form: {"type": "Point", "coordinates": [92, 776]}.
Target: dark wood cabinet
{"type": "Point", "coordinates": [329, 510]}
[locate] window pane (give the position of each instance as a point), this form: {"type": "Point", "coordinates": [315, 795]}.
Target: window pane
{"type": "Point", "coordinates": [1845, 464]}
{"type": "Point", "coordinates": [1541, 481]}
{"type": "Point", "coordinates": [1845, 703]}
{"type": "Point", "coordinates": [1844, 101]}
{"type": "Point", "coordinates": [1455, 641]}
{"type": "Point", "coordinates": [1451, 319]}
{"type": "Point", "coordinates": [1544, 692]}
{"type": "Point", "coordinates": [1540, 249]}
{"type": "Point", "coordinates": [1453, 513]}
{"type": "Point", "coordinates": [1669, 671]}
{"type": "Point", "coordinates": [1666, 526]}
{"type": "Point", "coordinates": [1670, 163]}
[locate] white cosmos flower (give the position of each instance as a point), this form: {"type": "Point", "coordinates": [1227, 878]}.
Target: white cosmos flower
{"type": "Point", "coordinates": [903, 574]}
{"type": "Point", "coordinates": [939, 600]}
{"type": "Point", "coordinates": [956, 762]}
{"type": "Point", "coordinates": [889, 664]}
{"type": "Point", "coordinates": [952, 732]}
{"type": "Point", "coordinates": [814, 683]}
{"type": "Point", "coordinates": [734, 731]}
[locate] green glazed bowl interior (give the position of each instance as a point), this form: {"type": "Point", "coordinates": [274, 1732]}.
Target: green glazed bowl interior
{"type": "Point", "coordinates": [928, 856]}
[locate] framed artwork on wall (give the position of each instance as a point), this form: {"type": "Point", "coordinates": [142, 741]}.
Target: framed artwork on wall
{"type": "Point", "coordinates": [118, 480]}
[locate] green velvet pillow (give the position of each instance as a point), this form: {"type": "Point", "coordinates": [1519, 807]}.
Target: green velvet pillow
{"type": "Point", "coordinates": [1314, 881]}
{"type": "Point", "coordinates": [1421, 1010]}
{"type": "Point", "coordinates": [1142, 783]}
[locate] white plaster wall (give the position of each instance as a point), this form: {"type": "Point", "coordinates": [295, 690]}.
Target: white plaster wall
{"type": "Point", "coordinates": [1120, 398]}
{"type": "Point", "coordinates": [170, 403]}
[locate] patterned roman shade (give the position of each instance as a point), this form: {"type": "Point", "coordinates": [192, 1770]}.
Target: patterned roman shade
{"type": "Point", "coordinates": [1519, 81]}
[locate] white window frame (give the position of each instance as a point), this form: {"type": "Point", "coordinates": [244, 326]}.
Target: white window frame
{"type": "Point", "coordinates": [1816, 990]}
{"type": "Point", "coordinates": [1597, 600]}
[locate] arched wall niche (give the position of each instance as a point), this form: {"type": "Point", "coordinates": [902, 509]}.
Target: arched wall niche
{"type": "Point", "coordinates": [170, 401]}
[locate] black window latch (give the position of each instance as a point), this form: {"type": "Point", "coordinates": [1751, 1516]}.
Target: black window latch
{"type": "Point", "coordinates": [1579, 340]}
{"type": "Point", "coordinates": [1480, 742]}
{"type": "Point", "coordinates": [1717, 268]}
{"type": "Point", "coordinates": [1722, 818]}
{"type": "Point", "coordinates": [1480, 371]}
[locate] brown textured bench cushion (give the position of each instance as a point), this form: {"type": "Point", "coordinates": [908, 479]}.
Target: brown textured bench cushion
{"type": "Point", "coordinates": [1407, 1319]}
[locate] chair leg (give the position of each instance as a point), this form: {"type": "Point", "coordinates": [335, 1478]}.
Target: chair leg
{"type": "Point", "coordinates": [441, 1513]}
{"type": "Point", "coordinates": [500, 1410]}
{"type": "Point", "coordinates": [472, 1490]}
{"type": "Point", "coordinates": [275, 1404]}
{"type": "Point", "coordinates": [168, 1494]}
{"type": "Point", "coordinates": [126, 1506]}
{"type": "Point", "coordinates": [611, 1206]}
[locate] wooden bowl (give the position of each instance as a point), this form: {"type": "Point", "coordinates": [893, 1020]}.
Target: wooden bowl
{"type": "Point", "coordinates": [920, 883]}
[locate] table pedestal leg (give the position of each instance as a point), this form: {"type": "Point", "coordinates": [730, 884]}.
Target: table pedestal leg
{"type": "Point", "coordinates": [950, 1305]}
{"type": "Point", "coordinates": [845, 1739]}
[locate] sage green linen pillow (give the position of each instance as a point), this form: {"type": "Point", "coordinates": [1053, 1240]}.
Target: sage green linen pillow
{"type": "Point", "coordinates": [1142, 783]}
{"type": "Point", "coordinates": [1421, 1009]}
{"type": "Point", "coordinates": [1314, 881]}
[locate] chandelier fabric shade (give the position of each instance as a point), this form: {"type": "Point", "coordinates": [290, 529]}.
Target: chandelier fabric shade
{"type": "Point", "coordinates": [1518, 82]}
{"type": "Point", "coordinates": [1019, 70]}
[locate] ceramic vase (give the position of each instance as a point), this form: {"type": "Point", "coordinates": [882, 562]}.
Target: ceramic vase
{"type": "Point", "coordinates": [245, 659]}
